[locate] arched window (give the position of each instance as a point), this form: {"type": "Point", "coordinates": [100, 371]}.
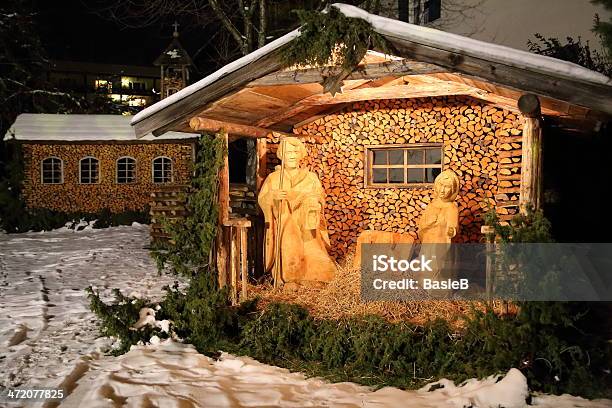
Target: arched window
{"type": "Point", "coordinates": [89, 170]}
{"type": "Point", "coordinates": [52, 170]}
{"type": "Point", "coordinates": [126, 170]}
{"type": "Point", "coordinates": [162, 170]}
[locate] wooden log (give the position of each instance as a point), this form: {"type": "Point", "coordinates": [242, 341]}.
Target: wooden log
{"type": "Point", "coordinates": [199, 123]}
{"type": "Point", "coordinates": [531, 160]}
{"type": "Point", "coordinates": [234, 261]}
{"type": "Point", "coordinates": [222, 236]}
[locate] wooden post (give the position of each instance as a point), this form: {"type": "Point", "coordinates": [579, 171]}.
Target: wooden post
{"type": "Point", "coordinates": [234, 261]}
{"type": "Point", "coordinates": [531, 164]}
{"type": "Point", "coordinates": [244, 276]}
{"type": "Point", "coordinates": [222, 235]}
{"type": "Point", "coordinates": [238, 230]}
{"type": "Point", "coordinates": [259, 225]}
{"type": "Point", "coordinates": [489, 234]}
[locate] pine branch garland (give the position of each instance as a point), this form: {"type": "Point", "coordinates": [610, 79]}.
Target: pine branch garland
{"type": "Point", "coordinates": [330, 37]}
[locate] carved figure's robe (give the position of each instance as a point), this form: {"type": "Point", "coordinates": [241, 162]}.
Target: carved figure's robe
{"type": "Point", "coordinates": [304, 240]}
{"type": "Point", "coordinates": [435, 221]}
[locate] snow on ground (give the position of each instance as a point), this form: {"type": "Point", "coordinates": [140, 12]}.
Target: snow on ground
{"type": "Point", "coordinates": [48, 337]}
{"type": "Point", "coordinates": [47, 332]}
{"type": "Point", "coordinates": [176, 375]}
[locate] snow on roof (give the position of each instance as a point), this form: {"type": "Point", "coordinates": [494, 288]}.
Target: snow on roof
{"type": "Point", "coordinates": [476, 48]}
{"type": "Point", "coordinates": [406, 31]}
{"type": "Point", "coordinates": [51, 127]}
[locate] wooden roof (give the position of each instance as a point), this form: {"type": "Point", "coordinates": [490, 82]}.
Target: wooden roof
{"type": "Point", "coordinates": [258, 92]}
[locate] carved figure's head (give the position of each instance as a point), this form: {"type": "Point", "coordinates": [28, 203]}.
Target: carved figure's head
{"type": "Point", "coordinates": [446, 186]}
{"type": "Point", "coordinates": [291, 151]}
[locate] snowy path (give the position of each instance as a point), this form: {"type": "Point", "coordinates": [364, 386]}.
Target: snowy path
{"type": "Point", "coordinates": [47, 333]}
{"type": "Point", "coordinates": [48, 337]}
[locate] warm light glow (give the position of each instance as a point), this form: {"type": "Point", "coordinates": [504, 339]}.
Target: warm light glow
{"type": "Point", "coordinates": [103, 85]}
{"type": "Point", "coordinates": [137, 102]}
{"type": "Point", "coordinates": [125, 82]}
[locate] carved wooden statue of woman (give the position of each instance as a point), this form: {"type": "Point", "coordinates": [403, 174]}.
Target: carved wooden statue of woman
{"type": "Point", "coordinates": [296, 199]}
{"type": "Point", "coordinates": [438, 225]}
{"type": "Point", "coordinates": [440, 220]}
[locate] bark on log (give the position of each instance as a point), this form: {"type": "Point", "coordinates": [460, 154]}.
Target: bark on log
{"type": "Point", "coordinates": [222, 236]}
{"type": "Point", "coordinates": [531, 167]}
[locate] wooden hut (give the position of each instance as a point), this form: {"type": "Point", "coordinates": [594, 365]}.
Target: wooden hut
{"type": "Point", "coordinates": [444, 101]}
{"type": "Point", "coordinates": [87, 163]}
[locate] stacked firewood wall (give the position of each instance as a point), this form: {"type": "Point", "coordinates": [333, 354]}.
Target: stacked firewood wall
{"type": "Point", "coordinates": [481, 144]}
{"type": "Point", "coordinates": [71, 196]}
{"type": "Point", "coordinates": [167, 203]}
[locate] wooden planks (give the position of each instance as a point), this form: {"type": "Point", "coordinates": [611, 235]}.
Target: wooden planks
{"type": "Point", "coordinates": [390, 92]}
{"type": "Point", "coordinates": [369, 71]}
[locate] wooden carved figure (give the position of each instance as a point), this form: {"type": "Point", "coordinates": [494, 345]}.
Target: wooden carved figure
{"type": "Point", "coordinates": [440, 220]}
{"type": "Point", "coordinates": [437, 227]}
{"type": "Point", "coordinates": [292, 201]}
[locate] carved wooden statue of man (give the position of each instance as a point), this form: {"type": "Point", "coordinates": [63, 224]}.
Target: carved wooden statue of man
{"type": "Point", "coordinates": [292, 204]}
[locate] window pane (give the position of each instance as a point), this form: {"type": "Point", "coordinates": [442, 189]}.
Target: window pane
{"type": "Point", "coordinates": [433, 156]}
{"type": "Point", "coordinates": [380, 156]}
{"type": "Point", "coordinates": [379, 175]}
{"type": "Point", "coordinates": [431, 174]}
{"type": "Point", "coordinates": [415, 176]}
{"type": "Point", "coordinates": [396, 156]}
{"type": "Point", "coordinates": [415, 156]}
{"type": "Point", "coordinates": [396, 175]}
{"type": "Point", "coordinates": [89, 171]}
{"type": "Point", "coordinates": [51, 171]}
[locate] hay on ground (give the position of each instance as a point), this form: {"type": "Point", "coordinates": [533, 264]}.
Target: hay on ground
{"type": "Point", "coordinates": [341, 298]}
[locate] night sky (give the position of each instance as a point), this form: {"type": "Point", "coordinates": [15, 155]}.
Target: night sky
{"type": "Point", "coordinates": [71, 30]}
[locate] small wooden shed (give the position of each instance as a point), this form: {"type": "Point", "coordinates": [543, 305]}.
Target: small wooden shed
{"type": "Point", "coordinates": [444, 101]}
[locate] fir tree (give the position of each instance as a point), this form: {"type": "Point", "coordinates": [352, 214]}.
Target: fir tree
{"type": "Point", "coordinates": [604, 28]}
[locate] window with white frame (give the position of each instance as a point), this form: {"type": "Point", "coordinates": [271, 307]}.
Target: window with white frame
{"type": "Point", "coordinates": [52, 170]}
{"type": "Point", "coordinates": [403, 165]}
{"type": "Point", "coordinates": [89, 170]}
{"type": "Point", "coordinates": [162, 170]}
{"type": "Point", "coordinates": [126, 170]}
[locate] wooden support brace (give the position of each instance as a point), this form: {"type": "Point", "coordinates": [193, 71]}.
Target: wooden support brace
{"type": "Point", "coordinates": [238, 230]}
{"type": "Point", "coordinates": [531, 160]}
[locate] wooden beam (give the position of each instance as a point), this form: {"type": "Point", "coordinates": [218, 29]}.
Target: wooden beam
{"type": "Point", "coordinates": [212, 125]}
{"type": "Point", "coordinates": [389, 92]}
{"type": "Point", "coordinates": [576, 92]}
{"type": "Point", "coordinates": [369, 71]}
{"type": "Point", "coordinates": [332, 110]}
{"type": "Point", "coordinates": [300, 107]}
{"type": "Point", "coordinates": [531, 160]}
